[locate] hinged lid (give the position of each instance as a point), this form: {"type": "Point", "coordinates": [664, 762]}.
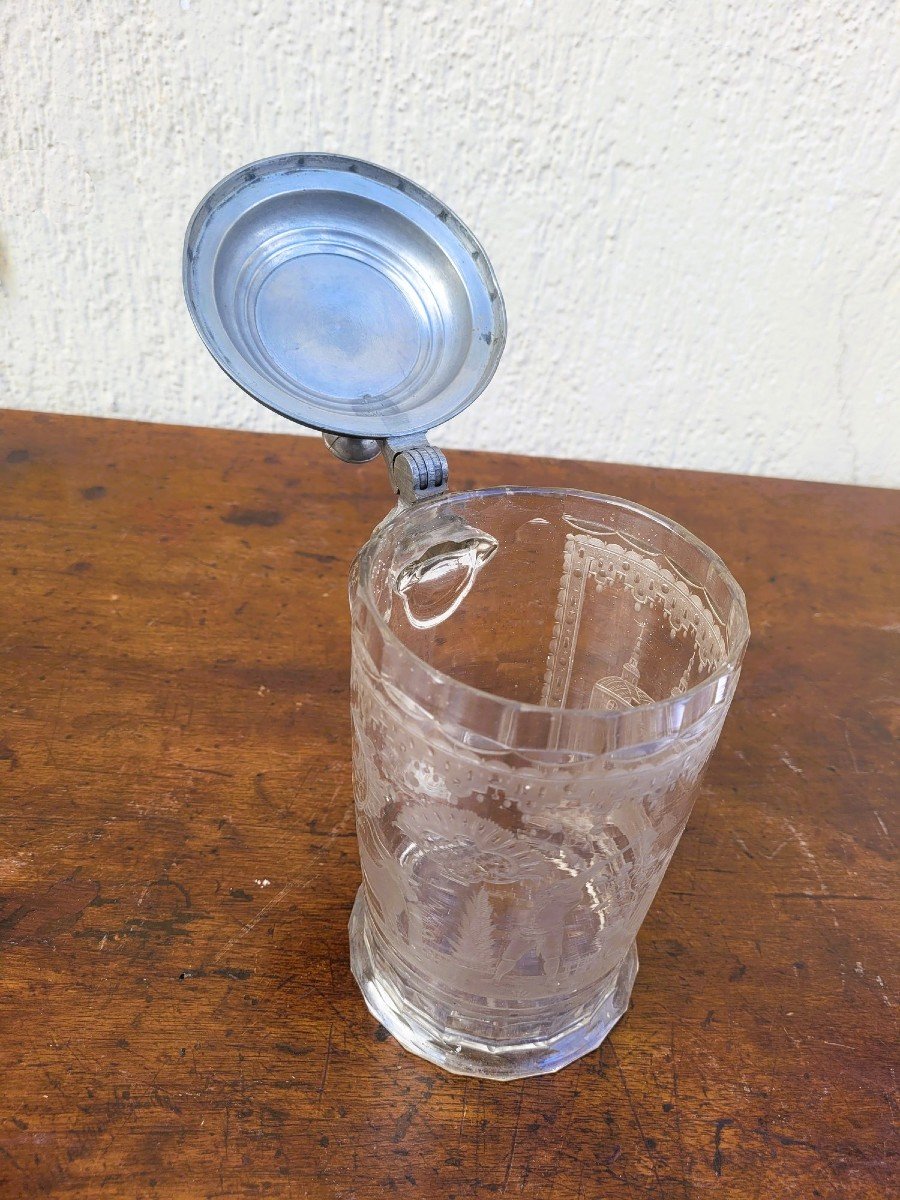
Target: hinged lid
{"type": "Point", "coordinates": [344, 297]}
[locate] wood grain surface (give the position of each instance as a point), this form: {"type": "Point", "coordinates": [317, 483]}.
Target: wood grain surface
{"type": "Point", "coordinates": [177, 853]}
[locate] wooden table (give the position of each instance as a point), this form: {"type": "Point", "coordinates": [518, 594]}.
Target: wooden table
{"type": "Point", "coordinates": [177, 854]}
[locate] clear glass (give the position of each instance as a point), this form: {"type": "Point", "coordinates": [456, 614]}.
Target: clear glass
{"type": "Point", "coordinates": [538, 680]}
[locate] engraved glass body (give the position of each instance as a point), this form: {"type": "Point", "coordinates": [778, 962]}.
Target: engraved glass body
{"type": "Point", "coordinates": [538, 680]}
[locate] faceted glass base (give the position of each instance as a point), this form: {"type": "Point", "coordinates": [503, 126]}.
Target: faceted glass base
{"type": "Point", "coordinates": [437, 1035]}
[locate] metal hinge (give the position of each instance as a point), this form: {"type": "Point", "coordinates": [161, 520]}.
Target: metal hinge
{"type": "Point", "coordinates": [417, 469]}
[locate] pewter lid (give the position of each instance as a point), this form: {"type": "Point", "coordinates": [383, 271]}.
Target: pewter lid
{"type": "Point", "coordinates": [343, 296]}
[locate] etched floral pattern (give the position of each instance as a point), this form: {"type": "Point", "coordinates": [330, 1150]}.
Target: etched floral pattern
{"type": "Point", "coordinates": [469, 849]}
{"type": "Point", "coordinates": [503, 879]}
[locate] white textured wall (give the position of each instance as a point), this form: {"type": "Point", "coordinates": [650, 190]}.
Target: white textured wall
{"type": "Point", "coordinates": [692, 207]}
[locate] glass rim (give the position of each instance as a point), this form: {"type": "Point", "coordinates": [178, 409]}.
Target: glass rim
{"type": "Point", "coordinates": [367, 555]}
